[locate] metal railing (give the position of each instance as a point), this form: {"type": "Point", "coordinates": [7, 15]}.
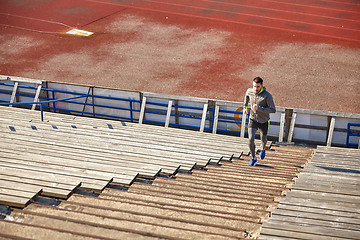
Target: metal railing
{"type": "Point", "coordinates": [349, 134]}
{"type": "Point", "coordinates": [54, 108]}
{"type": "Point", "coordinates": [50, 104]}
{"type": "Point", "coordinates": [40, 103]}
{"type": "Point", "coordinates": [181, 111]}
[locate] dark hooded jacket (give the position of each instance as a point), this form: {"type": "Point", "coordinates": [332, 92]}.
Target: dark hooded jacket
{"type": "Point", "coordinates": [264, 102]}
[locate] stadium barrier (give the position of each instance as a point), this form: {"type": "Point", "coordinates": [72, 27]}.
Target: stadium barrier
{"type": "Point", "coordinates": [217, 116]}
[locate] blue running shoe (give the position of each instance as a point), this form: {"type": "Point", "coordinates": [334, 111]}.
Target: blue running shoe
{"type": "Point", "coordinates": [262, 154]}
{"type": "Point", "coordinates": [253, 162]}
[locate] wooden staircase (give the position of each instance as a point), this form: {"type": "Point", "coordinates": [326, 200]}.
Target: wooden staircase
{"type": "Point", "coordinates": [324, 202]}
{"type": "Point", "coordinates": [63, 153]}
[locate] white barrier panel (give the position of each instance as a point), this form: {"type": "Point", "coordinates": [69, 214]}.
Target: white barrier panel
{"type": "Point", "coordinates": [22, 90]}
{"type": "Point", "coordinates": [302, 133]}
{"type": "Point", "coordinates": [311, 125]}
{"type": "Point", "coordinates": [192, 112]}
{"type": "Point", "coordinates": [68, 88]}
{"type": "Point", "coordinates": [340, 137]}
{"type": "Point", "coordinates": [116, 103]}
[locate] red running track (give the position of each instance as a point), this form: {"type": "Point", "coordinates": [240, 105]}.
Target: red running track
{"type": "Point", "coordinates": [52, 16]}
{"type": "Point", "coordinates": [327, 18]}
{"type": "Point", "coordinates": [259, 29]}
{"type": "Point", "coordinates": [331, 19]}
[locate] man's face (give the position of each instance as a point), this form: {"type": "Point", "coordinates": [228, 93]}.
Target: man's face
{"type": "Point", "coordinates": [257, 87]}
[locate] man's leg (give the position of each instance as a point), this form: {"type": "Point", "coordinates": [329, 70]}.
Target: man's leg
{"type": "Point", "coordinates": [263, 128]}
{"type": "Point", "coordinates": [252, 131]}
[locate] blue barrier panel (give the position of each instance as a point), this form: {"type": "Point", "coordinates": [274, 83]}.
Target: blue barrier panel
{"type": "Point", "coordinates": [351, 134]}
{"type": "Point", "coordinates": [52, 100]}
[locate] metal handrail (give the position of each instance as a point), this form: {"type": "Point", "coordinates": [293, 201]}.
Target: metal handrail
{"type": "Point", "coordinates": [41, 103]}
{"type": "Point", "coordinates": [348, 134]}
{"type": "Point", "coordinates": [131, 110]}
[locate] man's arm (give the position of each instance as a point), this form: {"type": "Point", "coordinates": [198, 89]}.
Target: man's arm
{"type": "Point", "coordinates": [270, 105]}
{"type": "Point", "coordinates": [246, 103]}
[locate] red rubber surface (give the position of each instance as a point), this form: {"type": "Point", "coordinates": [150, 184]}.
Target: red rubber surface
{"type": "Point", "coordinates": [52, 16]}
{"type": "Point", "coordinates": [307, 18]}
{"type": "Point", "coordinates": [307, 51]}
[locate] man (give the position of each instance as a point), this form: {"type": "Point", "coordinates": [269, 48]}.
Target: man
{"type": "Point", "coordinates": [260, 104]}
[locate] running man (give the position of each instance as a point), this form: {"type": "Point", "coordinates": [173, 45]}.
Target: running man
{"type": "Point", "coordinates": [261, 104]}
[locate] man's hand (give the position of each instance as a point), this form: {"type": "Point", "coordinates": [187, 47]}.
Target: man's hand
{"type": "Point", "coordinates": [246, 111]}
{"type": "Point", "coordinates": [255, 107]}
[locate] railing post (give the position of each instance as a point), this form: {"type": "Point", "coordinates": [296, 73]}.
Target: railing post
{"type": "Point", "coordinates": [216, 119]}
{"type": "Point", "coordinates": [13, 95]}
{"type": "Point", "coordinates": [348, 135]}
{"type": "Point", "coordinates": [176, 109]}
{"type": "Point", "coordinates": [243, 123]}
{"type": "Point", "coordinates": [142, 110]}
{"type": "Point", "coordinates": [292, 127]}
{"type": "Point", "coordinates": [54, 103]}
{"type": "Point", "coordinates": [37, 94]}
{"type": "Point", "coordinates": [42, 112]}
{"type": "Point", "coordinates": [203, 119]}
{"type": "Point", "coordinates": [282, 124]}
{"type": "Point", "coordinates": [131, 111]}
{"type": "Point", "coordinates": [331, 131]}
{"type": "Point", "coordinates": [168, 113]}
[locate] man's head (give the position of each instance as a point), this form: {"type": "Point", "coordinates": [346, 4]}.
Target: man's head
{"type": "Point", "coordinates": [257, 84]}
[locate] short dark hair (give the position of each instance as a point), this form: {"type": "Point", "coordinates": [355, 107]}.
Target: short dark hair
{"type": "Point", "coordinates": [258, 80]}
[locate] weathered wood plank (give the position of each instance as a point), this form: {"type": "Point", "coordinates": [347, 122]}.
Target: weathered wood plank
{"type": "Point", "coordinates": [311, 232]}
{"type": "Point", "coordinates": [18, 193]}
{"type": "Point", "coordinates": [86, 166]}
{"type": "Point", "coordinates": [215, 141]}
{"type": "Point", "coordinates": [296, 232]}
{"type": "Point", "coordinates": [74, 140]}
{"type": "Point", "coordinates": [352, 190]}
{"type": "Point", "coordinates": [323, 196]}
{"type": "Point", "coordinates": [115, 158]}
{"type": "Point", "coordinates": [324, 202]}
{"type": "Point", "coordinates": [197, 145]}
{"type": "Point", "coordinates": [320, 215]}
{"type": "Point", "coordinates": [46, 191]}
{"type": "Point", "coordinates": [317, 222]}
{"type": "Point", "coordinates": [38, 231]}
{"type": "Point", "coordinates": [14, 201]}
{"type": "Point", "coordinates": [315, 210]}
{"type": "Point", "coordinates": [83, 178]}
{"type": "Point", "coordinates": [310, 202]}
{"type": "Point", "coordinates": [58, 180]}
{"type": "Point", "coordinates": [56, 169]}
{"type": "Point", "coordinates": [83, 120]}
{"type": "Point", "coordinates": [49, 140]}
{"type": "Point", "coordinates": [326, 178]}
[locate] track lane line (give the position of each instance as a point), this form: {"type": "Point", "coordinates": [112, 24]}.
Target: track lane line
{"type": "Point", "coordinates": [319, 17]}
{"type": "Point", "coordinates": [246, 14]}
{"type": "Point", "coordinates": [229, 21]}
{"type": "Point", "coordinates": [34, 19]}
{"type": "Point", "coordinates": [311, 6]}
{"type": "Point", "coordinates": [279, 10]}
